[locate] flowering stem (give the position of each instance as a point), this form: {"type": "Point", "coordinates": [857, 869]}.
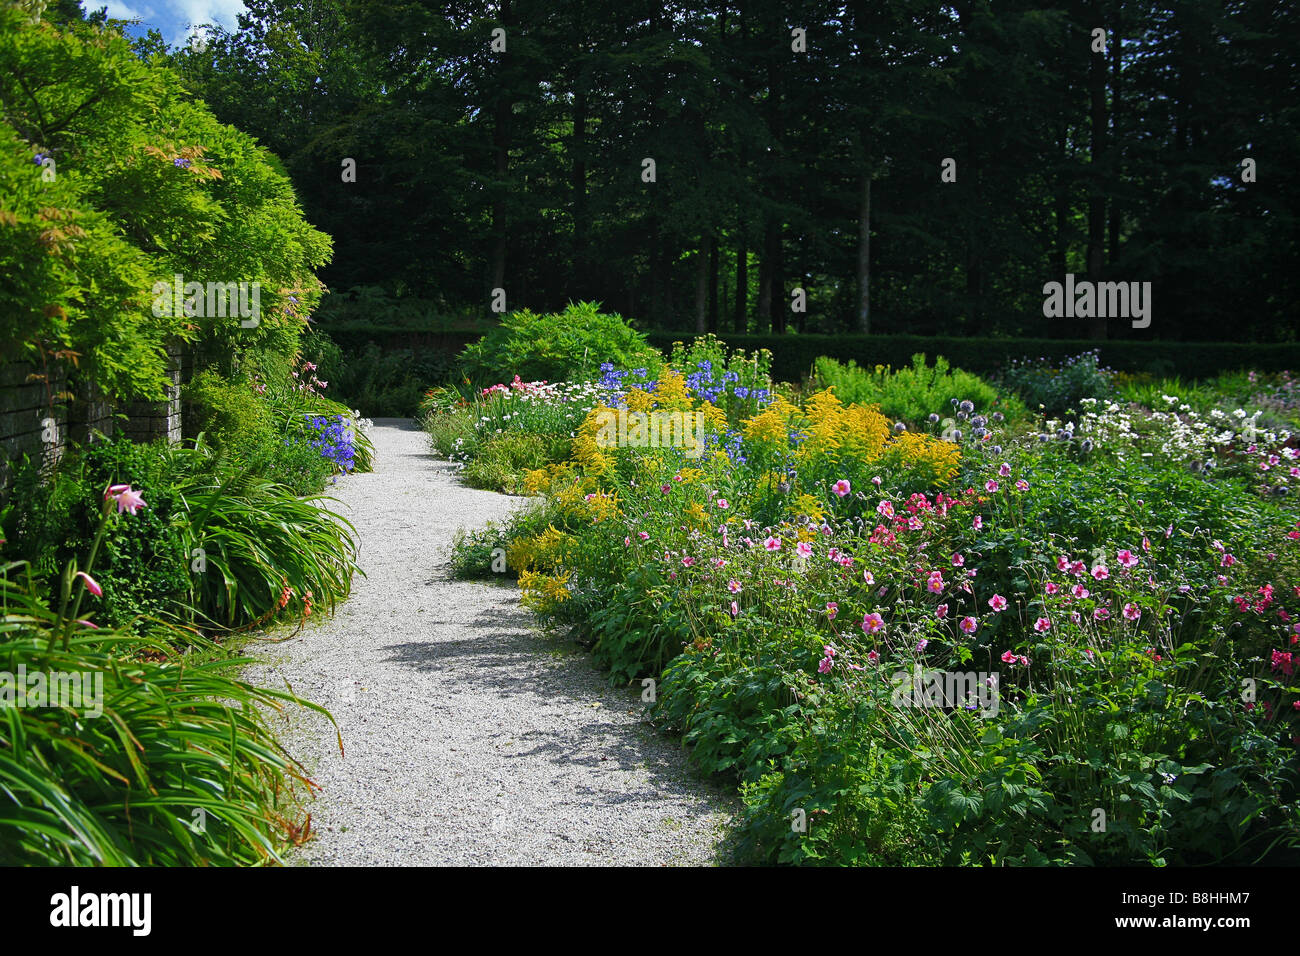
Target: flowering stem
{"type": "Point", "coordinates": [69, 574]}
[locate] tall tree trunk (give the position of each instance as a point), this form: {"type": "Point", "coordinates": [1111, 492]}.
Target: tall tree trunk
{"type": "Point", "coordinates": [713, 283]}
{"type": "Point", "coordinates": [764, 318]}
{"type": "Point", "coordinates": [1116, 63]}
{"type": "Point", "coordinates": [864, 254]}
{"type": "Point", "coordinates": [742, 287]}
{"type": "Point", "coordinates": [1097, 169]}
{"type": "Point", "coordinates": [702, 287]}
{"type": "Point", "coordinates": [780, 305]}
{"type": "Point", "coordinates": [1061, 208]}
{"type": "Point", "coordinates": [501, 146]}
{"type": "Point", "coordinates": [578, 174]}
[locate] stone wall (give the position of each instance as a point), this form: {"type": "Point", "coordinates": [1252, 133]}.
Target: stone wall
{"type": "Point", "coordinates": [33, 416]}
{"type": "Point", "coordinates": [38, 417]}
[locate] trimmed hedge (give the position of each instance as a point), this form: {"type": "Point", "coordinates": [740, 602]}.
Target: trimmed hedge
{"type": "Point", "coordinates": [793, 355]}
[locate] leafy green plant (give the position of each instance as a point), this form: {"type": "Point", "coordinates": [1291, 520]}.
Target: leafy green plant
{"type": "Point", "coordinates": [1057, 387]}
{"type": "Point", "coordinates": [179, 769]}
{"type": "Point", "coordinates": [914, 393]}
{"type": "Point", "coordinates": [568, 345]}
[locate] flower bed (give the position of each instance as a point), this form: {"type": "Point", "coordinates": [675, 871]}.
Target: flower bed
{"type": "Point", "coordinates": [946, 640]}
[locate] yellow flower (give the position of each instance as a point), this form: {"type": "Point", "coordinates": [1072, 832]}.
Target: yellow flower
{"type": "Point", "coordinates": [931, 458]}
{"type": "Point", "coordinates": [638, 400]}
{"type": "Point", "coordinates": [586, 450]}
{"type": "Point", "coordinates": [808, 505]}
{"type": "Point", "coordinates": [672, 393]}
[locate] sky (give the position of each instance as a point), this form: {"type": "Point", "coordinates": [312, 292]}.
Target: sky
{"type": "Point", "coordinates": [172, 18]}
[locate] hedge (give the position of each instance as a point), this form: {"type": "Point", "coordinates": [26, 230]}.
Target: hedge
{"type": "Point", "coordinates": [793, 355]}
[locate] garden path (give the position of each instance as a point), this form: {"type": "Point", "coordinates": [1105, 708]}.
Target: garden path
{"type": "Point", "coordinates": [469, 739]}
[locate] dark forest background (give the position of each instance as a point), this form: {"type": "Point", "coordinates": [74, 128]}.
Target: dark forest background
{"type": "Point", "coordinates": [777, 169]}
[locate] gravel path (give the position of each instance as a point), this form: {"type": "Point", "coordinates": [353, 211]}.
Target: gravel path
{"type": "Point", "coordinates": [469, 738]}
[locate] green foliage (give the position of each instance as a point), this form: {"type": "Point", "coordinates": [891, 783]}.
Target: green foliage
{"type": "Point", "coordinates": [500, 462]}
{"type": "Point", "coordinates": [147, 185]}
{"type": "Point", "coordinates": [793, 355]}
{"type": "Point", "coordinates": [560, 346]}
{"type": "Point", "coordinates": [381, 382]}
{"type": "Point", "coordinates": [122, 788]}
{"type": "Point", "coordinates": [257, 537]}
{"type": "Point", "coordinates": [912, 393]}
{"type": "Point", "coordinates": [1056, 388]}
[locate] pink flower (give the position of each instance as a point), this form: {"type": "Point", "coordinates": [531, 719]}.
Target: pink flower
{"type": "Point", "coordinates": [868, 577]}
{"type": "Point", "coordinates": [876, 481]}
{"type": "Point", "coordinates": [1101, 613]}
{"type": "Point", "coordinates": [772, 544]}
{"type": "Point", "coordinates": [968, 625]}
{"type": "Point", "coordinates": [126, 498]}
{"type": "Point", "coordinates": [1131, 612]}
{"type": "Point", "coordinates": [828, 650]}
{"type": "Point", "coordinates": [722, 503]}
{"type": "Point", "coordinates": [91, 584]}
{"type": "Point", "coordinates": [825, 666]}
{"type": "Point", "coordinates": [1004, 469]}
{"type": "Point", "coordinates": [1100, 573]}
{"type": "Point", "coordinates": [1022, 485]}
{"type": "Point", "coordinates": [935, 583]}
{"type": "Point", "coordinates": [1146, 544]}
{"type": "Point", "coordinates": [1052, 587]}
{"type": "Point", "coordinates": [872, 623]}
{"type": "Point", "coordinates": [841, 487]}
{"type": "Point", "coordinates": [1008, 657]}
{"type": "Point", "coordinates": [643, 535]}
{"type": "Point", "coordinates": [1080, 591]}
{"type": "Point", "coordinates": [627, 542]}
{"type": "Point", "coordinates": [998, 602]}
{"type": "Point", "coordinates": [1062, 563]}
{"type": "Point", "coordinates": [688, 561]}
{"type": "Point", "coordinates": [1227, 560]}
{"type": "Point", "coordinates": [941, 611]}
{"type": "Point", "coordinates": [991, 485]}
{"type": "Point", "coordinates": [872, 656]}
{"type": "Point", "coordinates": [1126, 558]}
{"type": "Point", "coordinates": [735, 609]}
{"type": "Point", "coordinates": [719, 562]}
{"type": "Point", "coordinates": [1042, 625]}
{"type": "Point", "coordinates": [733, 586]}
{"type": "Point", "coordinates": [804, 549]}
{"type": "Point", "coordinates": [1077, 568]}
{"type": "Point", "coordinates": [977, 523]}
{"type": "Point", "coordinates": [958, 561]}
{"type": "Point", "coordinates": [1022, 660]}
{"type": "Point", "coordinates": [665, 489]}
{"type": "Point", "coordinates": [831, 610]}
{"type": "Point", "coordinates": [885, 508]}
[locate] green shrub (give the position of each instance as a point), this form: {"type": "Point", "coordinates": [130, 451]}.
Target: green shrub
{"type": "Point", "coordinates": [1057, 387]}
{"type": "Point", "coordinates": [568, 345]}
{"type": "Point", "coordinates": [913, 393]}
{"type": "Point", "coordinates": [230, 416]}
{"type": "Point", "coordinates": [500, 462]}
{"type": "Point", "coordinates": [381, 383]}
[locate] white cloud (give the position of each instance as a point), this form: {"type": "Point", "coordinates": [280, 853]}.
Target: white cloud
{"type": "Point", "coordinates": [183, 13]}
{"type": "Point", "coordinates": [121, 11]}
